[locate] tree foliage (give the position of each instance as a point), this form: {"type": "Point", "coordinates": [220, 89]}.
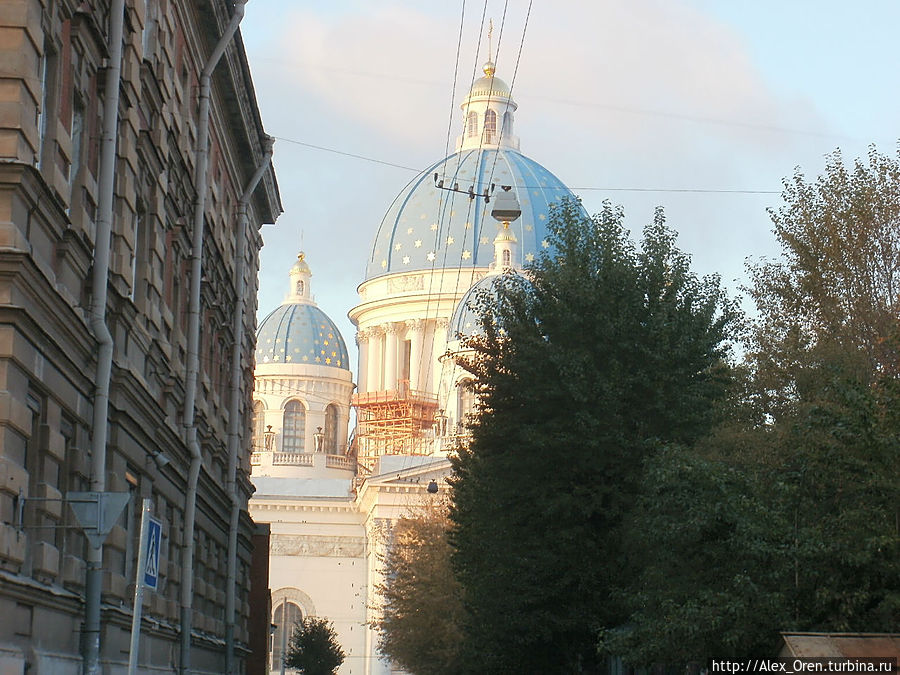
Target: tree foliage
{"type": "Point", "coordinates": [786, 517]}
{"type": "Point", "coordinates": [314, 649]}
{"type": "Point", "coordinates": [605, 353]}
{"type": "Point", "coordinates": [419, 625]}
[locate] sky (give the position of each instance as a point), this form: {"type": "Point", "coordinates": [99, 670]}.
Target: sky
{"type": "Point", "coordinates": [702, 107]}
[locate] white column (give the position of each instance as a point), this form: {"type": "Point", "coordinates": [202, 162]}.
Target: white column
{"type": "Point", "coordinates": [416, 331]}
{"type": "Point", "coordinates": [373, 367]}
{"type": "Point", "coordinates": [362, 344]}
{"type": "Point", "coordinates": [390, 356]}
{"type": "Point", "coordinates": [439, 346]}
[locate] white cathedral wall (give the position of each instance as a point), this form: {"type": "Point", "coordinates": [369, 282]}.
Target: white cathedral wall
{"type": "Point", "coordinates": [315, 387]}
{"type": "Point", "coordinates": [414, 306]}
{"type": "Point", "coordinates": [318, 549]}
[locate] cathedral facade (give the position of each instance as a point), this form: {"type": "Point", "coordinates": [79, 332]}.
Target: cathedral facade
{"type": "Point", "coordinates": [330, 497]}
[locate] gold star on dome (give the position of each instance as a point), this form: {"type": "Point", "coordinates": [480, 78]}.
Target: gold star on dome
{"type": "Point", "coordinates": [326, 342]}
{"type": "Point", "coordinates": [418, 243]}
{"type": "Point", "coordinates": [449, 240]}
{"type": "Point", "coordinates": [468, 225]}
{"type": "Point", "coordinates": [545, 243]}
{"type": "Point", "coordinates": [306, 358]}
{"type": "Point", "coordinates": [434, 227]}
{"type": "Point", "coordinates": [535, 193]}
{"type": "Point", "coordinates": [466, 254]}
{"type": "Point", "coordinates": [409, 230]}
{"type": "Point", "coordinates": [288, 358]}
{"type": "Point", "coordinates": [383, 264]}
{"type": "Point", "coordinates": [423, 216]}
{"type": "Point", "coordinates": [328, 361]}
{"type": "Point", "coordinates": [528, 228]}
{"type": "Point", "coordinates": [542, 217]}
{"type": "Point", "coordinates": [529, 257]}
{"type": "Point", "coordinates": [430, 256]}
{"type": "Point", "coordinates": [406, 260]}
{"type": "Point", "coordinates": [334, 353]}
{"type": "Point", "coordinates": [318, 360]}
{"type": "Point", "coordinates": [483, 240]}
{"type": "Point", "coordinates": [398, 246]}
{"type": "Point", "coordinates": [452, 213]}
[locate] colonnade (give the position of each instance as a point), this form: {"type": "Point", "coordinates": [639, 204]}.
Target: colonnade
{"type": "Point", "coordinates": [384, 360]}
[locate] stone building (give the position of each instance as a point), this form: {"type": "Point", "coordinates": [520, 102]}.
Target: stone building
{"type": "Point", "coordinates": [128, 372]}
{"type": "Point", "coordinates": [331, 507]}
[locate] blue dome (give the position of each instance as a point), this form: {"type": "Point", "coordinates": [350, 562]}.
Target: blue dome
{"type": "Point", "coordinates": [430, 228]}
{"type": "Point", "coordinates": [465, 320]}
{"type": "Point", "coordinates": [300, 333]}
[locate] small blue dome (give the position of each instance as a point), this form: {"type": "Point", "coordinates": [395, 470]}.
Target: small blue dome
{"type": "Point", "coordinates": [300, 333]}
{"type": "Point", "coordinates": [465, 320]}
{"type": "Point", "coordinates": [430, 228]}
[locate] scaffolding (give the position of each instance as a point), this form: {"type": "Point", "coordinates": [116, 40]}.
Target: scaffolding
{"type": "Point", "coordinates": [393, 422]}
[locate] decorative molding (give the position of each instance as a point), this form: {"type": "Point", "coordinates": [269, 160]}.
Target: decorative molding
{"type": "Point", "coordinates": [416, 325]}
{"type": "Point", "coordinates": [295, 595]}
{"type": "Point", "coordinates": [317, 546]}
{"type": "Point", "coordinates": [442, 322]}
{"type": "Point", "coordinates": [404, 284]}
{"type": "Point", "coordinates": [392, 328]}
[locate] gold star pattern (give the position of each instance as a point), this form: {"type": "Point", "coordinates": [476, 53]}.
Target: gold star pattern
{"type": "Point", "coordinates": [545, 243]}
{"type": "Point", "coordinates": [398, 246]}
{"type": "Point", "coordinates": [529, 257]}
{"type": "Point", "coordinates": [452, 213]}
{"type": "Point", "coordinates": [468, 225]}
{"type": "Point", "coordinates": [409, 230]}
{"type": "Point", "coordinates": [430, 256]}
{"type": "Point", "coordinates": [528, 228]}
{"type": "Point", "coordinates": [434, 227]}
{"type": "Point", "coordinates": [383, 264]}
{"type": "Point", "coordinates": [542, 217]}
{"type": "Point", "coordinates": [449, 241]}
{"type": "Point", "coordinates": [423, 216]}
{"type": "Point", "coordinates": [466, 254]}
{"type": "Point", "coordinates": [406, 260]}
{"type": "Point", "coordinates": [418, 243]}
{"type": "Point", "coordinates": [483, 240]}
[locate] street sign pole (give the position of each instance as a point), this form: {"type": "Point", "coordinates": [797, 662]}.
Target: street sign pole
{"type": "Point", "coordinates": [146, 543]}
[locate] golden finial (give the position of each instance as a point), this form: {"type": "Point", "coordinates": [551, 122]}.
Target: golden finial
{"type": "Point", "coordinates": [301, 256]}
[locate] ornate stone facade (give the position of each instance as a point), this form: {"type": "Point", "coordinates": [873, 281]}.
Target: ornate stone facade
{"type": "Point", "coordinates": [54, 56]}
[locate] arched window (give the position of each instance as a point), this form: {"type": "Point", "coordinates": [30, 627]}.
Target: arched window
{"type": "Point", "coordinates": [259, 421]}
{"type": "Point", "coordinates": [284, 615]}
{"type": "Point", "coordinates": [507, 259]}
{"type": "Point", "coordinates": [507, 124]}
{"type": "Point", "coordinates": [490, 126]}
{"type": "Point", "coordinates": [294, 427]}
{"type": "Point", "coordinates": [300, 287]}
{"type": "Point", "coordinates": [331, 429]}
{"type": "Point", "coordinates": [465, 399]}
{"type": "Point", "coordinates": [473, 123]}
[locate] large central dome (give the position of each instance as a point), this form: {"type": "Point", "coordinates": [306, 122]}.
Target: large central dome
{"type": "Point", "coordinates": [431, 228]}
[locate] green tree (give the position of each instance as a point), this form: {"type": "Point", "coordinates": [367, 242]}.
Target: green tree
{"type": "Point", "coordinates": [824, 352]}
{"type": "Point", "coordinates": [715, 552]}
{"type": "Point", "coordinates": [314, 649]}
{"type": "Point", "coordinates": [583, 371]}
{"type": "Point", "coordinates": [420, 619]}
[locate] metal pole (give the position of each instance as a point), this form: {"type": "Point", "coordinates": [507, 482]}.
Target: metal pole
{"type": "Point", "coordinates": [284, 629]}
{"type": "Point", "coordinates": [139, 589]}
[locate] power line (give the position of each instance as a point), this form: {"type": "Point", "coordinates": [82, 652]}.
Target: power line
{"type": "Point", "coordinates": [574, 189]}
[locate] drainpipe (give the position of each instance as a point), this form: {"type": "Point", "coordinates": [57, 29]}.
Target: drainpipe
{"type": "Point", "coordinates": [234, 408]}
{"type": "Point", "coordinates": [109, 134]}
{"type": "Point", "coordinates": [193, 355]}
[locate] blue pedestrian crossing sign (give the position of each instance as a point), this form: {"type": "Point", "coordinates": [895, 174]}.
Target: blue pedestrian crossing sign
{"type": "Point", "coordinates": [153, 544]}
